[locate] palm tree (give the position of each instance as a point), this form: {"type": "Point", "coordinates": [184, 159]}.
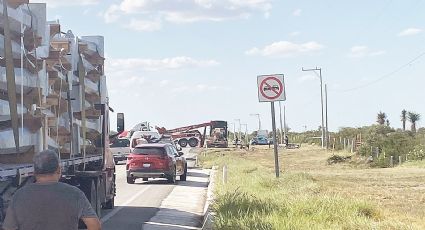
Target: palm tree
{"type": "Point", "coordinates": [403, 118]}
{"type": "Point", "coordinates": [381, 118]}
{"type": "Point", "coordinates": [413, 118]}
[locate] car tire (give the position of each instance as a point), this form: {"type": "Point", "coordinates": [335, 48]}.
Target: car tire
{"type": "Point", "coordinates": [184, 175]}
{"type": "Point", "coordinates": [116, 162]}
{"type": "Point", "coordinates": [183, 143]}
{"type": "Point", "coordinates": [145, 179]}
{"type": "Point", "coordinates": [172, 178]}
{"type": "Point", "coordinates": [193, 142]}
{"type": "Point", "coordinates": [130, 180]}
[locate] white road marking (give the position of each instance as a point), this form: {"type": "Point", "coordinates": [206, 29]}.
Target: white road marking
{"type": "Point", "coordinates": [173, 225]}
{"type": "Point", "coordinates": [116, 210]}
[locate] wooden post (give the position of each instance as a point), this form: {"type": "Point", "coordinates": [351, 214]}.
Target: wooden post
{"type": "Point", "coordinates": [399, 160]}
{"type": "Point", "coordinates": [392, 161]}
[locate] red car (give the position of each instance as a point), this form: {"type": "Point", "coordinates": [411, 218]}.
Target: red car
{"type": "Point", "coordinates": [156, 161]}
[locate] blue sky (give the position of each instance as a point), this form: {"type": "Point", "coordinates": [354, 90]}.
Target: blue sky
{"type": "Point", "coordinates": [178, 62]}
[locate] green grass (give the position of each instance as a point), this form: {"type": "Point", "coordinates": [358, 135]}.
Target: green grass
{"type": "Point", "coordinates": [416, 164]}
{"type": "Point", "coordinates": [254, 199]}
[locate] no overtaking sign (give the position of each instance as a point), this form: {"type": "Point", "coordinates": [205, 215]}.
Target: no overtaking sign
{"type": "Point", "coordinates": [271, 88]}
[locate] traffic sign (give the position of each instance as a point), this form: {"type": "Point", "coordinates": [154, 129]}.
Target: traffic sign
{"type": "Point", "coordinates": [271, 88]}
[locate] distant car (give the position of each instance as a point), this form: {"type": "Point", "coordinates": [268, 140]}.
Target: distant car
{"type": "Point", "coordinates": [166, 139]}
{"type": "Point", "coordinates": [120, 148]}
{"type": "Point", "coordinates": [259, 140]}
{"type": "Point", "coordinates": [151, 135]}
{"type": "Point", "coordinates": [160, 160]}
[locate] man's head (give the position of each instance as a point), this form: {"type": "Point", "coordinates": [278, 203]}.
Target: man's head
{"type": "Point", "coordinates": [46, 164]}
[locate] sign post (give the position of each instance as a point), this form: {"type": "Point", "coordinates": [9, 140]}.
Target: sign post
{"type": "Point", "coordinates": [271, 88]}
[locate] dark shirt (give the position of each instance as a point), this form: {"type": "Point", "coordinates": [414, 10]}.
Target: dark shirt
{"type": "Point", "coordinates": [47, 206]}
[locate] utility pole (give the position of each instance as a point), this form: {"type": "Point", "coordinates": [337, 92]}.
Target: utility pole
{"type": "Point", "coordinates": [239, 133]}
{"type": "Point", "coordinates": [233, 124]}
{"type": "Point", "coordinates": [281, 125]}
{"type": "Point", "coordinates": [259, 120]}
{"type": "Point", "coordinates": [246, 133]}
{"type": "Point", "coordinates": [326, 109]}
{"type": "Point", "coordinates": [321, 101]}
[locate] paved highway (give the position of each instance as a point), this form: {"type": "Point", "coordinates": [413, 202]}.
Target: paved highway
{"type": "Point", "coordinates": [142, 202]}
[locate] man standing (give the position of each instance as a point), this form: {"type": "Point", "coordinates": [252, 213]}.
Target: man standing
{"type": "Point", "coordinates": [49, 204]}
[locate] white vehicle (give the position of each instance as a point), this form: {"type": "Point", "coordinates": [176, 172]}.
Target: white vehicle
{"type": "Point", "coordinates": [142, 134]}
{"type": "Point", "coordinates": [120, 148]}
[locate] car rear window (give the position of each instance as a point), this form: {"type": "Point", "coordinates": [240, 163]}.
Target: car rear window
{"type": "Point", "coordinates": [120, 143]}
{"type": "Point", "coordinates": [149, 151]}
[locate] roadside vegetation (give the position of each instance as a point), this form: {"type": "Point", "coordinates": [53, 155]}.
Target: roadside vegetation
{"type": "Point", "coordinates": [380, 144]}
{"type": "Point", "coordinates": [311, 193]}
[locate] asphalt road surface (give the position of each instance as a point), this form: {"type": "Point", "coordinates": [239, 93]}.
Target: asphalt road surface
{"type": "Point", "coordinates": [136, 204]}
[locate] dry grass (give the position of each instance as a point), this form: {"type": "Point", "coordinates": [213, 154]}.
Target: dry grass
{"type": "Point", "coordinates": [398, 192]}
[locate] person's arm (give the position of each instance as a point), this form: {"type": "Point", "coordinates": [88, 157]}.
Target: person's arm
{"type": "Point", "coordinates": [10, 221]}
{"type": "Point", "coordinates": [87, 214]}
{"type": "Point", "coordinates": [92, 223]}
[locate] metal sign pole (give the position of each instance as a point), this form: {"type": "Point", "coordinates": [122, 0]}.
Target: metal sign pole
{"type": "Point", "coordinates": [276, 155]}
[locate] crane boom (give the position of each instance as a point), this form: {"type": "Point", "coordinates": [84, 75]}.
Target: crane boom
{"type": "Point", "coordinates": [183, 129]}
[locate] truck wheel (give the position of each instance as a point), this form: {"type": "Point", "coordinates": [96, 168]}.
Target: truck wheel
{"type": "Point", "coordinates": [97, 191]}
{"type": "Point", "coordinates": [90, 189]}
{"type": "Point", "coordinates": [110, 204]}
{"type": "Point", "coordinates": [193, 142]}
{"type": "Point", "coordinates": [183, 143]}
{"type": "Point", "coordinates": [130, 180]}
{"type": "Point", "coordinates": [184, 175]}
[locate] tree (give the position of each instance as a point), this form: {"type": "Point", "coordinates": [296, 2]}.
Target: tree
{"type": "Point", "coordinates": [403, 118]}
{"type": "Point", "coordinates": [413, 118]}
{"type": "Point", "coordinates": [388, 123]}
{"type": "Point", "coordinates": [381, 118]}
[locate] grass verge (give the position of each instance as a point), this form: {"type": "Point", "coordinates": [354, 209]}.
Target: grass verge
{"type": "Point", "coordinates": [254, 199]}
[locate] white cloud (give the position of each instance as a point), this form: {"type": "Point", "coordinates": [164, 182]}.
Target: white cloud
{"type": "Point", "coordinates": [144, 25]}
{"type": "Point", "coordinates": [137, 64]}
{"type": "Point", "coordinates": [364, 51]}
{"type": "Point", "coordinates": [410, 32]}
{"type": "Point", "coordinates": [61, 3]}
{"type": "Point", "coordinates": [187, 11]}
{"type": "Point", "coordinates": [297, 12]}
{"type": "Point", "coordinates": [111, 14]}
{"type": "Point", "coordinates": [286, 49]}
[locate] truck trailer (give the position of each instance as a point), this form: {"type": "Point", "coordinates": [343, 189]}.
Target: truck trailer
{"type": "Point", "coordinates": [190, 135]}
{"type": "Point", "coordinates": [53, 95]}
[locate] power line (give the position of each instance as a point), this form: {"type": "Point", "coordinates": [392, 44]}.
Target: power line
{"type": "Point", "coordinates": [390, 74]}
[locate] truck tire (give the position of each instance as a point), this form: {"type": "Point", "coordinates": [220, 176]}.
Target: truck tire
{"type": "Point", "coordinates": [98, 203]}
{"type": "Point", "coordinates": [193, 142]}
{"type": "Point", "coordinates": [88, 186]}
{"type": "Point", "coordinates": [183, 143]}
{"type": "Point", "coordinates": [110, 204]}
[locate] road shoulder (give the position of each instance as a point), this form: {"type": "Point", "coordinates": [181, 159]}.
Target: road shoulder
{"type": "Point", "coordinates": [184, 206]}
